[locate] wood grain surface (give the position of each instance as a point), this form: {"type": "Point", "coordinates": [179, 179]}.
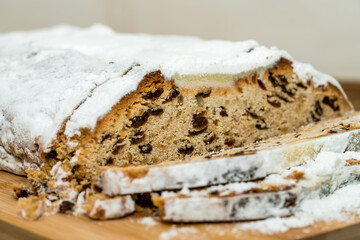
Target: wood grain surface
{"type": "Point", "coordinates": [60, 226]}
{"type": "Point", "coordinates": [353, 92]}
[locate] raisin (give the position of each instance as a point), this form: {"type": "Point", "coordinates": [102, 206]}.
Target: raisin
{"type": "Point", "coordinates": [174, 93]}
{"type": "Point", "coordinates": [261, 124]}
{"type": "Point", "coordinates": [229, 142]}
{"type": "Point", "coordinates": [187, 148]}
{"type": "Point", "coordinates": [223, 112]}
{"type": "Point", "coordinates": [209, 138]}
{"type": "Point", "coordinates": [261, 84]}
{"type": "Point", "coordinates": [273, 80]}
{"type": "Point", "coordinates": [74, 169]}
{"type": "Point", "coordinates": [291, 92]}
{"type": "Point", "coordinates": [282, 97]}
{"type": "Point", "coordinates": [146, 148]}
{"type": "Point", "coordinates": [197, 132]}
{"type": "Point", "coordinates": [301, 85]}
{"type": "Point", "coordinates": [86, 186]}
{"type": "Point", "coordinates": [214, 192]}
{"type": "Point", "coordinates": [203, 94]}
{"type": "Point", "coordinates": [97, 188]}
{"type": "Point", "coordinates": [318, 109]}
{"type": "Point", "coordinates": [109, 161]}
{"type": "Point", "coordinates": [137, 138]}
{"type": "Point", "coordinates": [105, 137]}
{"type": "Point", "coordinates": [156, 111]}
{"type": "Point", "coordinates": [137, 121]}
{"type": "Point", "coordinates": [118, 146]}
{"type": "Point", "coordinates": [23, 193]}
{"type": "Point", "coordinates": [290, 201]}
{"type": "Point", "coordinates": [199, 122]}
{"type": "Point", "coordinates": [331, 103]}
{"type": "Point", "coordinates": [66, 206]}
{"type": "Point", "coordinates": [282, 78]}
{"type": "Point", "coordinates": [252, 114]}
{"type": "Point", "coordinates": [52, 154]}
{"type": "Point", "coordinates": [144, 200]}
{"type": "Point", "coordinates": [153, 95]}
{"type": "Point", "coordinates": [273, 102]}
{"type": "Point", "coordinates": [314, 118]}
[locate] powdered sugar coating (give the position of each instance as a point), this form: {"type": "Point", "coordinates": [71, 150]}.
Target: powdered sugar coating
{"type": "Point", "coordinates": [10, 163]}
{"type": "Point", "coordinates": [112, 208]}
{"type": "Point", "coordinates": [46, 74]}
{"type": "Point", "coordinates": [323, 175]}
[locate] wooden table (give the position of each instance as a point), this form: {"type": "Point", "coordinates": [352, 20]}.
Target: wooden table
{"type": "Point", "coordinates": [352, 90]}
{"type": "Point", "coordinates": [59, 226]}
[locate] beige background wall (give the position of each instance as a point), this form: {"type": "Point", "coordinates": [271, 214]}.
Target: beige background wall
{"type": "Point", "coordinates": [323, 32]}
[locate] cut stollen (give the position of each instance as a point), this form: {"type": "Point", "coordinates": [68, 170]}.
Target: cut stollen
{"type": "Point", "coordinates": [75, 100]}
{"type": "Point", "coordinates": [277, 195]}
{"type": "Point", "coordinates": [242, 164]}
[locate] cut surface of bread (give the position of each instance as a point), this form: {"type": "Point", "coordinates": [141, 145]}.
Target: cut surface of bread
{"type": "Point", "coordinates": [236, 165]}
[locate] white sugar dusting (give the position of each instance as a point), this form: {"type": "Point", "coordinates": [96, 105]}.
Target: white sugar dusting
{"type": "Point", "coordinates": [175, 232]}
{"type": "Point", "coordinates": [149, 221]}
{"type": "Point", "coordinates": [341, 205]}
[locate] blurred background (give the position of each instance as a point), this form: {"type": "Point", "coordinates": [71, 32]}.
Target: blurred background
{"type": "Point", "coordinates": [325, 33]}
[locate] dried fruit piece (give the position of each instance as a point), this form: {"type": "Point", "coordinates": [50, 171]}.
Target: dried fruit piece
{"type": "Point", "coordinates": [209, 138]}
{"type": "Point", "coordinates": [223, 112]}
{"type": "Point", "coordinates": [109, 161]}
{"type": "Point", "coordinates": [51, 155]}
{"type": "Point", "coordinates": [282, 78]}
{"type": "Point", "coordinates": [261, 124]}
{"type": "Point", "coordinates": [261, 84]}
{"type": "Point", "coordinates": [138, 121]}
{"type": "Point", "coordinates": [118, 146]}
{"type": "Point", "coordinates": [173, 94]}
{"type": "Point", "coordinates": [156, 111]}
{"type": "Point", "coordinates": [331, 102]}
{"type": "Point", "coordinates": [252, 114]}
{"type": "Point", "coordinates": [229, 142]}
{"type": "Point", "coordinates": [273, 102]}
{"type": "Point", "coordinates": [204, 94]}
{"type": "Point", "coordinates": [318, 109]}
{"type": "Point", "coordinates": [314, 118]}
{"type": "Point", "coordinates": [197, 132]}
{"type": "Point", "coordinates": [186, 148]}
{"type": "Point", "coordinates": [137, 138]}
{"type": "Point", "coordinates": [105, 137]}
{"type": "Point", "coordinates": [153, 95]}
{"type": "Point", "coordinates": [66, 206]}
{"type": "Point", "coordinates": [199, 121]}
{"type": "Point", "coordinates": [146, 148]}
{"type": "Point", "coordinates": [301, 85]}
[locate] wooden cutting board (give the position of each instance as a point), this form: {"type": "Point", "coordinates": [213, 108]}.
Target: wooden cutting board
{"type": "Point", "coordinates": [60, 226]}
